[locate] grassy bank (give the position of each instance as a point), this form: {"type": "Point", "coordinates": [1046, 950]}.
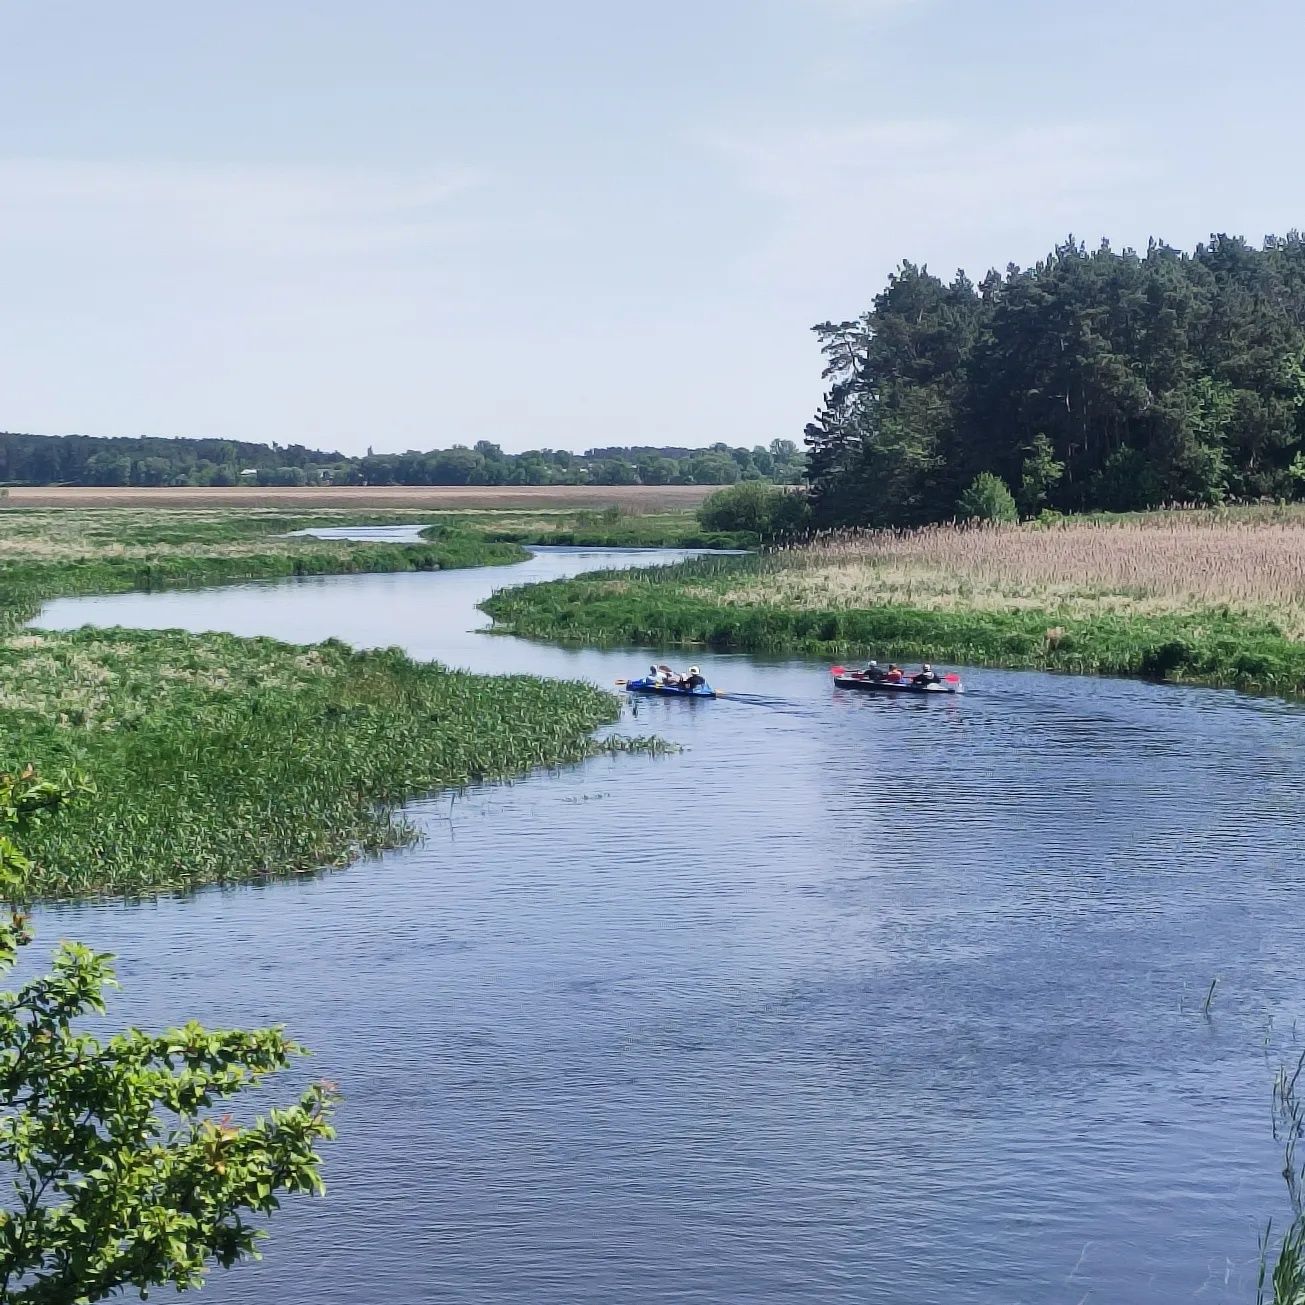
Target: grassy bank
{"type": "Point", "coordinates": [45, 554]}
{"type": "Point", "coordinates": [1200, 601]}
{"type": "Point", "coordinates": [610, 528]}
{"type": "Point", "coordinates": [217, 759]}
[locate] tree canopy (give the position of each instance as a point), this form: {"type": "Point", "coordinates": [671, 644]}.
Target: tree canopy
{"type": "Point", "coordinates": [148, 461]}
{"type": "Point", "coordinates": [1094, 380]}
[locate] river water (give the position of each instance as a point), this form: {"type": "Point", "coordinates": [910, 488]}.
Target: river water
{"type": "Point", "coordinates": [851, 1000]}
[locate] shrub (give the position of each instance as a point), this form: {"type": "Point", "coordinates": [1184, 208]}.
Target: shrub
{"type": "Point", "coordinates": [988, 498]}
{"type": "Point", "coordinates": [756, 506]}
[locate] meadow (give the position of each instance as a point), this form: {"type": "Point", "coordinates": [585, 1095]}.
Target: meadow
{"type": "Point", "coordinates": [1201, 598]}
{"type": "Point", "coordinates": [217, 759]}
{"type": "Point", "coordinates": [55, 552]}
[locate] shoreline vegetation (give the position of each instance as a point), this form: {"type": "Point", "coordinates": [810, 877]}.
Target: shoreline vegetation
{"type": "Point", "coordinates": [52, 553]}
{"type": "Point", "coordinates": [610, 527]}
{"type": "Point", "coordinates": [217, 759]}
{"type": "Point", "coordinates": [1191, 598]}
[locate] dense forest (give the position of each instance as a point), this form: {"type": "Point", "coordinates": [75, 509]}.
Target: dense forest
{"type": "Point", "coordinates": [1091, 381]}
{"type": "Point", "coordinates": [91, 460]}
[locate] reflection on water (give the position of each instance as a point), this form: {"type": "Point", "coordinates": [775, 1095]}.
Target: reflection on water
{"type": "Point", "coordinates": [852, 1000]}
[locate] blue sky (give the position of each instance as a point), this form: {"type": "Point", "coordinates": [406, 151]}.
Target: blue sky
{"type": "Point", "coordinates": [414, 222]}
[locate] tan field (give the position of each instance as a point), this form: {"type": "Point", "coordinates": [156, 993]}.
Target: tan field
{"type": "Point", "coordinates": [633, 498]}
{"type": "Point", "coordinates": [1159, 566]}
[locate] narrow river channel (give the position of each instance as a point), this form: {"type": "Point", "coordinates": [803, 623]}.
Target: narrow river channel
{"type": "Point", "coordinates": [850, 1001]}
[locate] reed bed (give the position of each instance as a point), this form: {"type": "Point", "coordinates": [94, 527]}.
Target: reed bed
{"type": "Point", "coordinates": [219, 759]}
{"type": "Point", "coordinates": [1205, 600]}
{"type": "Point", "coordinates": [1143, 567]}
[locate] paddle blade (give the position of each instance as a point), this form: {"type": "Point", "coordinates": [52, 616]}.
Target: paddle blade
{"type": "Point", "coordinates": [836, 670]}
{"type": "Point", "coordinates": [952, 678]}
{"type": "Point", "coordinates": [620, 681]}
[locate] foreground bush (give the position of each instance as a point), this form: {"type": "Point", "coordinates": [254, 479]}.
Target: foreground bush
{"type": "Point", "coordinates": [120, 1177]}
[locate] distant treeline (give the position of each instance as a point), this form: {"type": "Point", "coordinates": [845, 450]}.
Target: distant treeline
{"type": "Point", "coordinates": [91, 460]}
{"type": "Point", "coordinates": [1092, 381]}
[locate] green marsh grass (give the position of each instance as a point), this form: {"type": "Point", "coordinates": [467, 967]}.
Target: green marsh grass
{"type": "Point", "coordinates": [44, 553]}
{"type": "Point", "coordinates": [612, 528]}
{"type": "Point", "coordinates": [217, 759]}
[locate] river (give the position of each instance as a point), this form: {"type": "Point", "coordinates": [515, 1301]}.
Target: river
{"type": "Point", "coordinates": [851, 1000]}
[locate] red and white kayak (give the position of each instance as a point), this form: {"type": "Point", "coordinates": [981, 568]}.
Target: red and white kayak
{"type": "Point", "coordinates": [845, 679]}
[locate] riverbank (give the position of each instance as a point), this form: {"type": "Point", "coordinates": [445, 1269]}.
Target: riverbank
{"type": "Point", "coordinates": [55, 553]}
{"type": "Point", "coordinates": [1199, 602]}
{"type": "Point", "coordinates": [218, 759]}
{"type": "Point", "coordinates": [610, 528]}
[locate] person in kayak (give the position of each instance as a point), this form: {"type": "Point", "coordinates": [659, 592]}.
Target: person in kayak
{"type": "Point", "coordinates": [873, 672]}
{"type": "Point", "coordinates": [654, 675]}
{"type": "Point", "coordinates": [927, 675]}
{"type": "Point", "coordinates": [894, 675]}
{"type": "Point", "coordinates": [693, 680]}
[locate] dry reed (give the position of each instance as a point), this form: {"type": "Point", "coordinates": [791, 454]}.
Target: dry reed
{"type": "Point", "coordinates": [1142, 567]}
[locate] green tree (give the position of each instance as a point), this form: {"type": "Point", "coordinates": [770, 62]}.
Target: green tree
{"type": "Point", "coordinates": [713, 468]}
{"type": "Point", "coordinates": [121, 1176]}
{"type": "Point", "coordinates": [654, 470]}
{"type": "Point", "coordinates": [1041, 474]}
{"type": "Point", "coordinates": [987, 498]}
{"type": "Point", "coordinates": [108, 469]}
{"type": "Point", "coordinates": [1093, 379]}
{"type": "Point", "coordinates": [613, 471]}
{"type": "Point", "coordinates": [755, 507]}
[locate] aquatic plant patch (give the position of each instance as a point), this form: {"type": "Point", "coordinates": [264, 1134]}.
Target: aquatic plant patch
{"type": "Point", "coordinates": [217, 759]}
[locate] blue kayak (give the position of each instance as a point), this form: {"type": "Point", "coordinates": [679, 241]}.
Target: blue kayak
{"type": "Point", "coordinates": [646, 685]}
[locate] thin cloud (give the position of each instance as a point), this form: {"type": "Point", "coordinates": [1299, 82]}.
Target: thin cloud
{"type": "Point", "coordinates": [256, 212]}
